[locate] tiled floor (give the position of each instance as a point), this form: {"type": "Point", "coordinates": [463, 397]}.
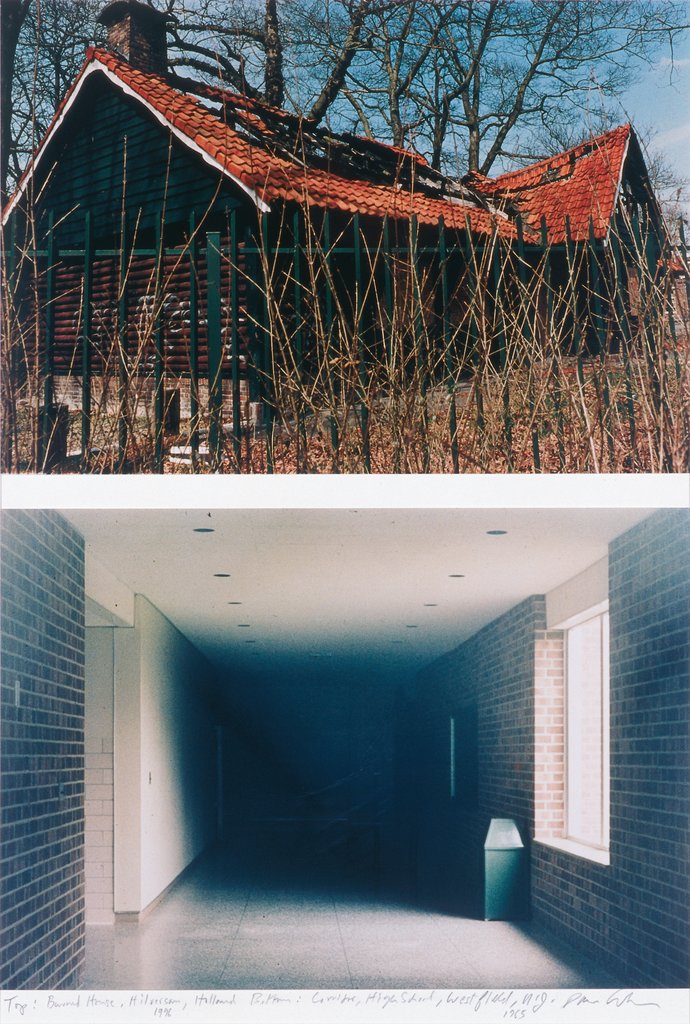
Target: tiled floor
{"type": "Point", "coordinates": [221, 929]}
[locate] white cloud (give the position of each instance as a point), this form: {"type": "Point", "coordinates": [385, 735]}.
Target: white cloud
{"type": "Point", "coordinates": [673, 136]}
{"type": "Point", "coordinates": [677, 62]}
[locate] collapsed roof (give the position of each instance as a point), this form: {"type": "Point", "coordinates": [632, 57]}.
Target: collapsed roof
{"type": "Point", "coordinates": [274, 156]}
{"type": "Point", "coordinates": [583, 185]}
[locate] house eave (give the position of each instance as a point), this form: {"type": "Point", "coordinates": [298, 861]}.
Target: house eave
{"type": "Point", "coordinates": [96, 67]}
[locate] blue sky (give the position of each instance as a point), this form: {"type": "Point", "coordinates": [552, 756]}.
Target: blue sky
{"type": "Point", "coordinates": [659, 107]}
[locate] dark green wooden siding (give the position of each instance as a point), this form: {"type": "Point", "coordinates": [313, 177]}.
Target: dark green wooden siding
{"type": "Point", "coordinates": [111, 146]}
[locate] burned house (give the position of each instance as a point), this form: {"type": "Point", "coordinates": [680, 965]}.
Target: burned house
{"type": "Point", "coordinates": [207, 244]}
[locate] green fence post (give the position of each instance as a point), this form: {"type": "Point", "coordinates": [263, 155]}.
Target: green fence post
{"type": "Point", "coordinates": [8, 438]}
{"type": "Point", "coordinates": [86, 342]}
{"type": "Point", "coordinates": [335, 388]}
{"type": "Point", "coordinates": [502, 354]}
{"type": "Point", "coordinates": [193, 250]}
{"type": "Point", "coordinates": [215, 348]}
{"type": "Point", "coordinates": [122, 430]}
{"type": "Point", "coordinates": [269, 384]}
{"type": "Point", "coordinates": [421, 354]}
{"type": "Point", "coordinates": [297, 300]}
{"type": "Point", "coordinates": [676, 353]}
{"type": "Point", "coordinates": [528, 335]}
{"type": "Point", "coordinates": [571, 255]}
{"type": "Point", "coordinates": [48, 424]}
{"type": "Point", "coordinates": [595, 288]}
{"type": "Point", "coordinates": [473, 291]}
{"type": "Point", "coordinates": [251, 274]}
{"type": "Point", "coordinates": [445, 339]}
{"type": "Point", "coordinates": [522, 276]}
{"type": "Point", "coordinates": [255, 348]}
{"type": "Point", "coordinates": [388, 290]}
{"type": "Point", "coordinates": [656, 345]}
{"type": "Point", "coordinates": [158, 390]}
{"type": "Point", "coordinates": [555, 381]}
{"type": "Point", "coordinates": [620, 279]}
{"type": "Point", "coordinates": [361, 358]}
{"type": "Point", "coordinates": [11, 254]}
{"type": "Point", "coordinates": [647, 264]}
{"type": "Point", "coordinates": [235, 345]}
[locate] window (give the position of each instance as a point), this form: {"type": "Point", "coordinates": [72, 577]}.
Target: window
{"type": "Point", "coordinates": [464, 756]}
{"type": "Point", "coordinates": [587, 731]}
{"type": "Point", "coordinates": [451, 753]}
{"type": "Point", "coordinates": [572, 735]}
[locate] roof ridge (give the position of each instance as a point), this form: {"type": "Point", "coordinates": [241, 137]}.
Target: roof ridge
{"type": "Point", "coordinates": [252, 148]}
{"type": "Point", "coordinates": [574, 152]}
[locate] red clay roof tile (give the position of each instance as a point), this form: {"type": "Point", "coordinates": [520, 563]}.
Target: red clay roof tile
{"type": "Point", "coordinates": [272, 173]}
{"type": "Point", "coordinates": [580, 184]}
{"type": "Point", "coordinates": [264, 150]}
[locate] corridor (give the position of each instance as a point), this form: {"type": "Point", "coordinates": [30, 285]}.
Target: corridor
{"type": "Point", "coordinates": [227, 925]}
{"type": "Point", "coordinates": [263, 748]}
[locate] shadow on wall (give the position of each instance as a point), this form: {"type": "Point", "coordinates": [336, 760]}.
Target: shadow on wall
{"type": "Point", "coordinates": [332, 793]}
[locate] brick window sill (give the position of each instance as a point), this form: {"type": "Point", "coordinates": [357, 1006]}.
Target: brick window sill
{"type": "Point", "coordinates": [577, 850]}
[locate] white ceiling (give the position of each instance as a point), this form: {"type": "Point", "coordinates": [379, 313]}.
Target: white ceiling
{"type": "Point", "coordinates": [362, 587]}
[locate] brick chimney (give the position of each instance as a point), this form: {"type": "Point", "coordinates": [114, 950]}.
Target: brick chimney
{"type": "Point", "coordinates": [137, 32]}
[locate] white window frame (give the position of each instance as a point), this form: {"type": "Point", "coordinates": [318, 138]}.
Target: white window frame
{"type": "Point", "coordinates": [570, 843]}
{"type": "Point", "coordinates": [600, 614]}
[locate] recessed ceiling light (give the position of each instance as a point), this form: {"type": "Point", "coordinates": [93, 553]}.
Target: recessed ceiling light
{"type": "Point", "coordinates": [222, 575]}
{"type": "Point", "coordinates": [456, 575]}
{"type": "Point", "coordinates": [203, 529]}
{"type": "Point", "coordinates": [496, 533]}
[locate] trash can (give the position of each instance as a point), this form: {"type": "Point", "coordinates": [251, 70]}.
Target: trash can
{"type": "Point", "coordinates": [505, 872]}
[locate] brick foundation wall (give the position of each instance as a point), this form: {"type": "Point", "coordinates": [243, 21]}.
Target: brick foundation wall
{"type": "Point", "coordinates": [42, 758]}
{"type": "Point", "coordinates": [495, 671]}
{"type": "Point", "coordinates": [634, 913]}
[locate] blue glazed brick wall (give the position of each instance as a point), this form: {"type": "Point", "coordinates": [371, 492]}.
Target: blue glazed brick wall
{"type": "Point", "coordinates": [494, 670]}
{"type": "Point", "coordinates": [634, 913]}
{"type": "Point", "coordinates": [42, 754]}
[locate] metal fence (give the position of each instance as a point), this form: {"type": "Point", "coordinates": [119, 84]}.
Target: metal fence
{"type": "Point", "coordinates": [334, 313]}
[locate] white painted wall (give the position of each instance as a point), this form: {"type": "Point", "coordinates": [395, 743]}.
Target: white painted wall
{"type": "Point", "coordinates": [108, 598]}
{"type": "Point", "coordinates": [587, 589]}
{"type": "Point", "coordinates": [178, 755]}
{"type": "Point", "coordinates": [127, 767]}
{"type": "Point", "coordinates": [165, 758]}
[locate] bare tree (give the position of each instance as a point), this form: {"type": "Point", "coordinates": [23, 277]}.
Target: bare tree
{"type": "Point", "coordinates": [482, 79]}
{"type": "Point", "coordinates": [466, 82]}
{"type": "Point", "coordinates": [671, 187]}
{"type": "Point", "coordinates": [12, 16]}
{"type": "Point", "coordinates": [49, 51]}
{"type": "Point", "coordinates": [249, 48]}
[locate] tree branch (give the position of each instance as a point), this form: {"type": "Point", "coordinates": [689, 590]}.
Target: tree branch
{"type": "Point", "coordinates": [337, 76]}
